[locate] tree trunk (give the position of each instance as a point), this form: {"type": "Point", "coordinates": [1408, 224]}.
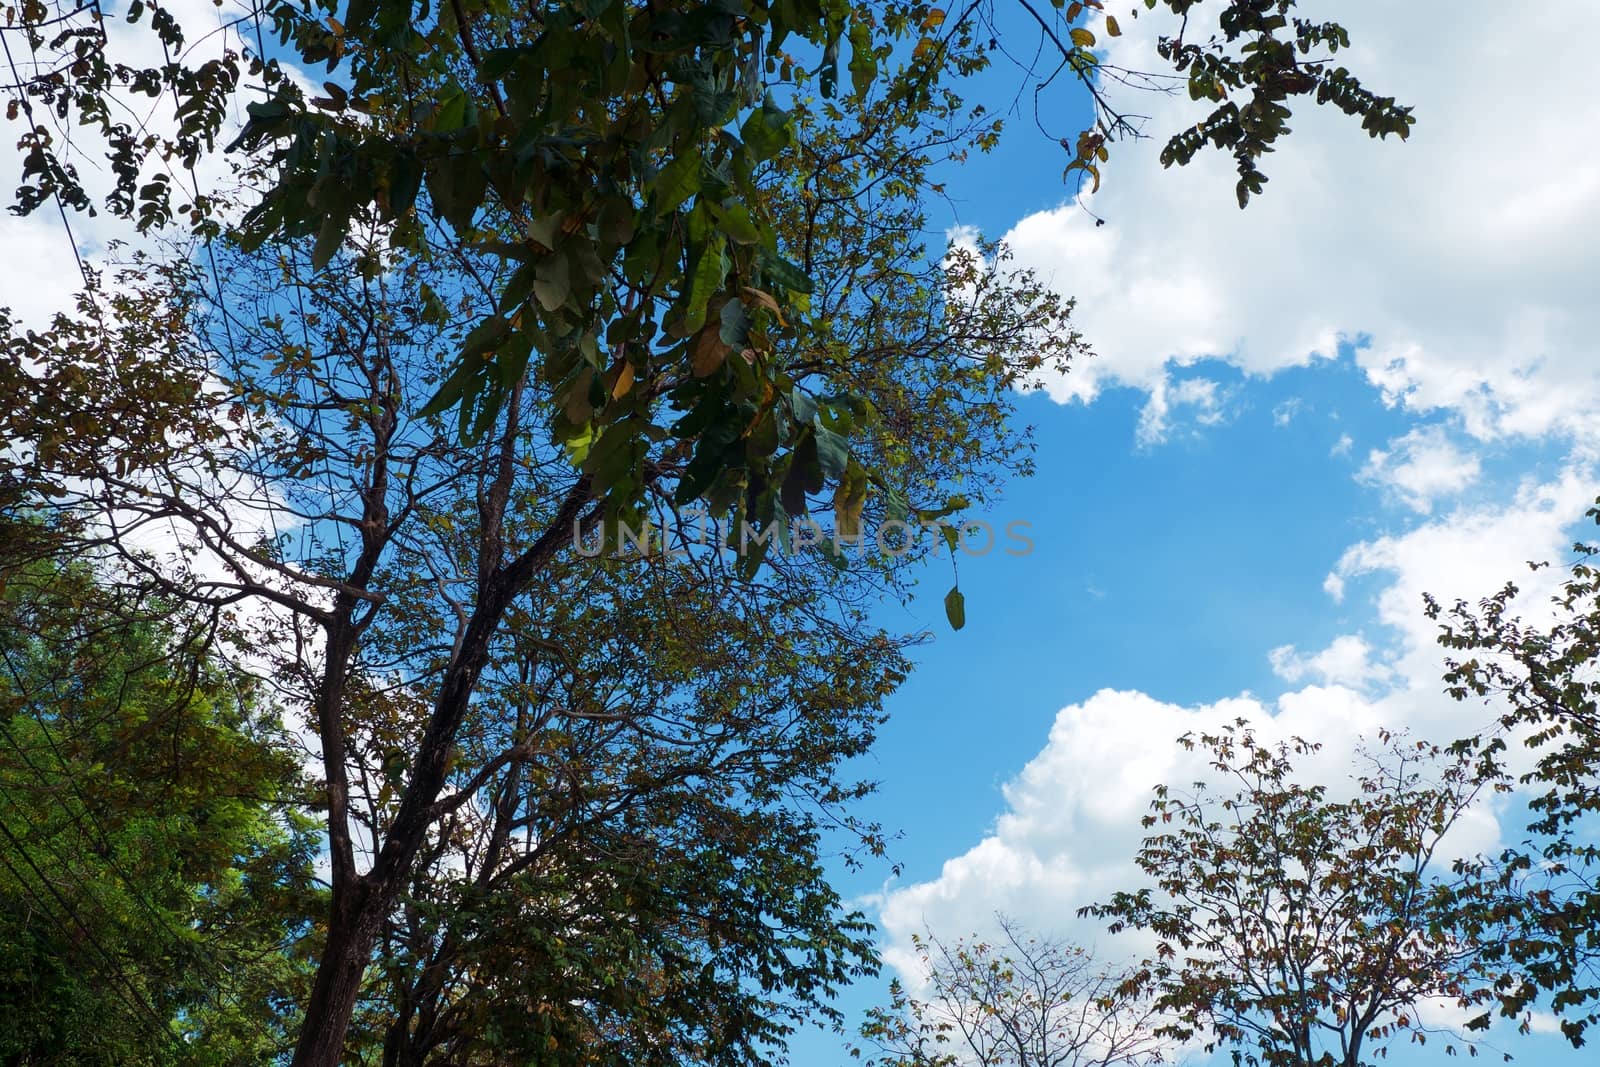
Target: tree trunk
{"type": "Point", "coordinates": [352, 931]}
{"type": "Point", "coordinates": [357, 914]}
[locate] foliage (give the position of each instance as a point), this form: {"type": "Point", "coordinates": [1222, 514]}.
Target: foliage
{"type": "Point", "coordinates": [1540, 679]}
{"type": "Point", "coordinates": [155, 892]}
{"type": "Point", "coordinates": [1026, 1002]}
{"type": "Point", "coordinates": [1296, 930]}
{"type": "Point", "coordinates": [524, 275]}
{"type": "Point", "coordinates": [506, 719]}
{"type": "Point", "coordinates": [587, 143]}
{"type": "Point", "coordinates": [642, 881]}
{"type": "Point", "coordinates": [1266, 50]}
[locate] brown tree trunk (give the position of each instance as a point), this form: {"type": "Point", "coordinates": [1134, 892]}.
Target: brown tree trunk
{"type": "Point", "coordinates": [352, 931]}
{"type": "Point", "coordinates": [360, 903]}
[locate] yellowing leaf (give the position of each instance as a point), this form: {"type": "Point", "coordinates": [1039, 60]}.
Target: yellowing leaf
{"type": "Point", "coordinates": [1082, 37]}
{"type": "Point", "coordinates": [624, 380]}
{"type": "Point", "coordinates": [709, 352]}
{"type": "Point", "coordinates": [1111, 26]}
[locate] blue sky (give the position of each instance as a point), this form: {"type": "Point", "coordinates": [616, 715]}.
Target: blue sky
{"type": "Point", "coordinates": [1377, 381]}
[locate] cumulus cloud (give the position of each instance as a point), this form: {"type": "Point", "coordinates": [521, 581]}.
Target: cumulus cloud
{"type": "Point", "coordinates": [1070, 825]}
{"type": "Point", "coordinates": [39, 275]}
{"type": "Point", "coordinates": [1464, 295]}
{"type": "Point", "coordinates": [1468, 555]}
{"type": "Point", "coordinates": [1200, 399]}
{"type": "Point", "coordinates": [1348, 661]}
{"type": "Point", "coordinates": [1421, 466]}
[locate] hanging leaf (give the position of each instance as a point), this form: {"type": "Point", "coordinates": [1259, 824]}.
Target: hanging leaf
{"type": "Point", "coordinates": [955, 608]}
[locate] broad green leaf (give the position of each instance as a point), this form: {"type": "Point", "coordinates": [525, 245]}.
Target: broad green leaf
{"type": "Point", "coordinates": [677, 182]}
{"type": "Point", "coordinates": [329, 238]}
{"type": "Point", "coordinates": [735, 326]}
{"type": "Point", "coordinates": [703, 282]}
{"type": "Point", "coordinates": [767, 131]}
{"type": "Point", "coordinates": [955, 608]}
{"type": "Point", "coordinates": [833, 452]}
{"type": "Point", "coordinates": [786, 274]}
{"type": "Point", "coordinates": [552, 285]}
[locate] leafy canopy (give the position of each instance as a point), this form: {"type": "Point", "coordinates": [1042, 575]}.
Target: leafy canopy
{"type": "Point", "coordinates": [1299, 930]}
{"type": "Point", "coordinates": [155, 884]}
{"type": "Point", "coordinates": [612, 152]}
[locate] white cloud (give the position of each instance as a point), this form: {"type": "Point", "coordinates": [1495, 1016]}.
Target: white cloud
{"type": "Point", "coordinates": [1420, 466]}
{"type": "Point", "coordinates": [1070, 826]}
{"type": "Point", "coordinates": [1347, 661]}
{"type": "Point", "coordinates": [1472, 295]}
{"type": "Point", "coordinates": [1342, 446]}
{"type": "Point", "coordinates": [1201, 396]}
{"type": "Point", "coordinates": [39, 274]}
{"type": "Point", "coordinates": [1284, 413]}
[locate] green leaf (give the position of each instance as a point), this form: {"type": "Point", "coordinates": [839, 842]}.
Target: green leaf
{"type": "Point", "coordinates": [452, 112]}
{"type": "Point", "coordinates": [804, 406]}
{"type": "Point", "coordinates": [452, 391]}
{"type": "Point", "coordinates": [677, 182]}
{"type": "Point", "coordinates": [735, 327]}
{"type": "Point", "coordinates": [497, 62]}
{"type": "Point", "coordinates": [329, 237]}
{"type": "Point", "coordinates": [734, 220]}
{"type": "Point", "coordinates": [895, 506]}
{"type": "Point", "coordinates": [833, 452]}
{"type": "Point", "coordinates": [706, 280]}
{"type": "Point", "coordinates": [405, 180]}
{"type": "Point", "coordinates": [863, 61]}
{"type": "Point", "coordinates": [786, 274]}
{"type": "Point", "coordinates": [767, 131]}
{"type": "Point", "coordinates": [955, 608]}
{"type": "Point", "coordinates": [552, 285]}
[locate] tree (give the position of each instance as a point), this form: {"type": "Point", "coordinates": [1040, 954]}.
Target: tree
{"type": "Point", "coordinates": [509, 728]}
{"type": "Point", "coordinates": [1300, 931]}
{"type": "Point", "coordinates": [1539, 894]}
{"type": "Point", "coordinates": [587, 235]}
{"type": "Point", "coordinates": [627, 137]}
{"type": "Point", "coordinates": [1026, 1002]}
{"type": "Point", "coordinates": [155, 880]}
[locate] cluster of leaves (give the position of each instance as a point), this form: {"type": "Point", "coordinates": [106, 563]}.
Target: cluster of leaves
{"type": "Point", "coordinates": [1295, 929]}
{"type": "Point", "coordinates": [570, 266]}
{"type": "Point", "coordinates": [156, 898]}
{"type": "Point", "coordinates": [72, 83]}
{"type": "Point", "coordinates": [1025, 1002]}
{"type": "Point", "coordinates": [1261, 48]}
{"type": "Point", "coordinates": [612, 153]}
{"type": "Point", "coordinates": [642, 883]}
{"type": "Point", "coordinates": [1541, 680]}
{"type": "Point", "coordinates": [67, 415]}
